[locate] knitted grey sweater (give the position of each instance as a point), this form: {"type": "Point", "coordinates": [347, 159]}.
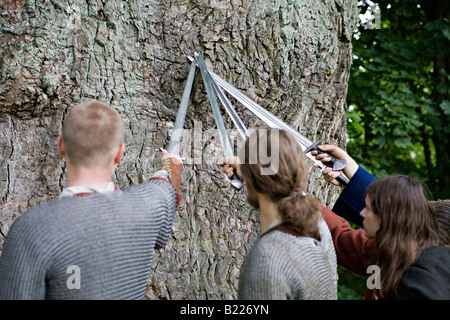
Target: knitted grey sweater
{"type": "Point", "coordinates": [283, 266]}
{"type": "Point", "coordinates": [106, 240]}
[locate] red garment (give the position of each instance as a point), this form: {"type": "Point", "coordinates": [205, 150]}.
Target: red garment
{"type": "Point", "coordinates": [81, 194]}
{"type": "Point", "coordinates": [352, 246]}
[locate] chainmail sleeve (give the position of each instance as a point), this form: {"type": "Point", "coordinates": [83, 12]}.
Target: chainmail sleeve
{"type": "Point", "coordinates": [109, 237]}
{"type": "Point", "coordinates": [22, 263]}
{"type": "Point", "coordinates": [167, 217]}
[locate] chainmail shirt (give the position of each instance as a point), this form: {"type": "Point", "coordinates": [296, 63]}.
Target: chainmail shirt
{"type": "Point", "coordinates": [109, 237]}
{"type": "Point", "coordinates": [284, 266]}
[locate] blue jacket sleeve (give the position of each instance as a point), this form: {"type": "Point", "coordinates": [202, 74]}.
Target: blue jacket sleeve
{"type": "Point", "coordinates": [352, 198]}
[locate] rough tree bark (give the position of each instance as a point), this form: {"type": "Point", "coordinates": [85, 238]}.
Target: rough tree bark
{"type": "Point", "coordinates": [292, 57]}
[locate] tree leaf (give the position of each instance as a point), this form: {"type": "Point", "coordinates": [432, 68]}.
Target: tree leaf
{"type": "Point", "coordinates": [445, 106]}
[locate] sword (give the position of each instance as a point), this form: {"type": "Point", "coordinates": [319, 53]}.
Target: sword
{"type": "Point", "coordinates": [226, 146]}
{"type": "Point", "coordinates": [240, 126]}
{"type": "Point", "coordinates": [275, 122]}
{"type": "Point", "coordinates": [175, 139]}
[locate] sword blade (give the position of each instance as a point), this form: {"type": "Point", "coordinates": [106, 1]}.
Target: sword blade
{"type": "Point", "coordinates": [273, 121]}
{"type": "Point", "coordinates": [265, 115]}
{"type": "Point", "coordinates": [240, 126]}
{"type": "Point", "coordinates": [175, 138]}
{"type": "Point", "coordinates": [226, 146]}
{"type": "Point", "coordinates": [269, 118]}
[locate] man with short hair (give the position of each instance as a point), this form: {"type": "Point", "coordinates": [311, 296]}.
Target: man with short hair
{"type": "Point", "coordinates": [95, 242]}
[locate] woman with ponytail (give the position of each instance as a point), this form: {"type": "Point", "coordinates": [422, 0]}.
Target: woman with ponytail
{"type": "Point", "coordinates": [294, 257]}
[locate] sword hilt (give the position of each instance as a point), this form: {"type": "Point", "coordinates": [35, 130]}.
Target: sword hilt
{"type": "Point", "coordinates": [236, 182]}
{"type": "Point", "coordinates": [337, 165]}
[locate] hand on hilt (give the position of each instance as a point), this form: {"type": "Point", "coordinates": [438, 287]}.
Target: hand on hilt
{"type": "Point", "coordinates": [166, 155]}
{"type": "Point", "coordinates": [337, 153]}
{"type": "Point", "coordinates": [230, 166]}
{"type": "Point", "coordinates": [172, 167]}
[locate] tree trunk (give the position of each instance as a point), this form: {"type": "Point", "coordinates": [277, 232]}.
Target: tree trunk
{"type": "Point", "coordinates": [292, 57]}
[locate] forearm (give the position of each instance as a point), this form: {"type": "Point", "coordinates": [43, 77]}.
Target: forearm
{"type": "Point", "coordinates": [171, 171]}
{"type": "Point", "coordinates": [352, 198]}
{"type": "Point", "coordinates": [352, 246]}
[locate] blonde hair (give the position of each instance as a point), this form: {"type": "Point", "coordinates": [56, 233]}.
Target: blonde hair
{"type": "Point", "coordinates": [91, 134]}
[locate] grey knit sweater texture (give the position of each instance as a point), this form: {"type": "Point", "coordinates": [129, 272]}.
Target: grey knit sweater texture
{"type": "Point", "coordinates": [110, 238]}
{"type": "Point", "coordinates": [281, 266]}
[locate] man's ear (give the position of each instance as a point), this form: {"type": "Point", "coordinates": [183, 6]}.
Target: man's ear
{"type": "Point", "coordinates": [119, 153]}
{"type": "Point", "coordinates": [61, 150]}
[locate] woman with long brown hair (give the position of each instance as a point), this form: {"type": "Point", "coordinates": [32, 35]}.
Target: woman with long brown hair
{"type": "Point", "coordinates": [401, 234]}
{"type": "Point", "coordinates": [404, 232]}
{"type": "Point", "coordinates": [294, 257]}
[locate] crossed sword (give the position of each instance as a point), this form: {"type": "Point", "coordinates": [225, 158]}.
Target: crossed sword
{"type": "Point", "coordinates": [215, 83]}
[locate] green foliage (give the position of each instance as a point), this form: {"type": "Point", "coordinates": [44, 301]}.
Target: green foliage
{"type": "Point", "coordinates": [351, 286]}
{"type": "Point", "coordinates": [398, 96]}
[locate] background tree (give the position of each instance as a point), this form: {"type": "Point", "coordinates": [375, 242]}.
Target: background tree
{"type": "Point", "coordinates": [292, 57]}
{"type": "Point", "coordinates": [398, 98]}
{"type": "Point", "coordinates": [399, 92]}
